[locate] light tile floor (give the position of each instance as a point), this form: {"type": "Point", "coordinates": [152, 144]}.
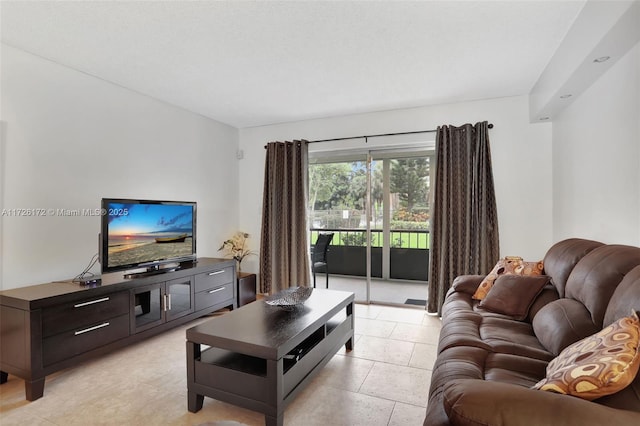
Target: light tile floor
{"type": "Point", "coordinates": [383, 291]}
{"type": "Point", "coordinates": [383, 381]}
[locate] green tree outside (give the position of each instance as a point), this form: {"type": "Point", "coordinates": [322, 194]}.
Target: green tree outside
{"type": "Point", "coordinates": [409, 179]}
{"type": "Point", "coordinates": [337, 194]}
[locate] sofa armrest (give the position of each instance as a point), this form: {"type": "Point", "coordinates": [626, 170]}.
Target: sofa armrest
{"type": "Point", "coordinates": [480, 402]}
{"type": "Point", "coordinates": [467, 283]}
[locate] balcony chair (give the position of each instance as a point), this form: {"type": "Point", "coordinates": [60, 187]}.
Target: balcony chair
{"type": "Point", "coordinates": [319, 255]}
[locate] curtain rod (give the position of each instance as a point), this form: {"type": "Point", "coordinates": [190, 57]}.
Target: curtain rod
{"type": "Point", "coordinates": [379, 135]}
{"type": "Point", "coordinates": [373, 136]}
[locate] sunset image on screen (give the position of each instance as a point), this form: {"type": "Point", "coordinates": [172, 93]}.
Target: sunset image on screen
{"type": "Point", "coordinates": [148, 232]}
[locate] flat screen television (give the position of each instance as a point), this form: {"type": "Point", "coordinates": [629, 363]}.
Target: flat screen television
{"type": "Point", "coordinates": [145, 235]}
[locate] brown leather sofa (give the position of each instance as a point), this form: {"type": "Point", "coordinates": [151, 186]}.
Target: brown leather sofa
{"type": "Point", "coordinates": [487, 362]}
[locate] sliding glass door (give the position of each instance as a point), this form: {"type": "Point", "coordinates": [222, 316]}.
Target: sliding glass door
{"type": "Point", "coordinates": [400, 201]}
{"type": "Point", "coordinates": [337, 205]}
{"type": "Point", "coordinates": [376, 203]}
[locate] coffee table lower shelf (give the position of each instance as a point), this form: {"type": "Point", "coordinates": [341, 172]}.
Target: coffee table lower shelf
{"type": "Point", "coordinates": [261, 384]}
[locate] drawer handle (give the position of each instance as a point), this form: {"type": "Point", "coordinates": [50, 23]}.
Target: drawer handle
{"type": "Point", "coordinates": [217, 290]}
{"type": "Point", "coordinates": [95, 327]}
{"type": "Point", "coordinates": [79, 305]}
{"type": "Point", "coordinates": [216, 272]}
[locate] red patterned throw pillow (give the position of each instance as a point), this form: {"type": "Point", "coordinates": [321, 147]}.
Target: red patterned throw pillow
{"type": "Point", "coordinates": [599, 365]}
{"type": "Point", "coordinates": [509, 265]}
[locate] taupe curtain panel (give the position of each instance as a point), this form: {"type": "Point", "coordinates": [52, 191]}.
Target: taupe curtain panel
{"type": "Point", "coordinates": [464, 229]}
{"type": "Point", "coordinates": [284, 248]}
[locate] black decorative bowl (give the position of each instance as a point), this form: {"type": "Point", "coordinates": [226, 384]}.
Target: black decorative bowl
{"type": "Point", "coordinates": [290, 297]}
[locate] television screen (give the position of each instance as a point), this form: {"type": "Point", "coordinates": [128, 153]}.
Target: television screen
{"type": "Point", "coordinates": [144, 233]}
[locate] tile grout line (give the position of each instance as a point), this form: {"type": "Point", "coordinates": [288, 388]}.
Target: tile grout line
{"type": "Point", "coordinates": [373, 363]}
{"type": "Point", "coordinates": [393, 409]}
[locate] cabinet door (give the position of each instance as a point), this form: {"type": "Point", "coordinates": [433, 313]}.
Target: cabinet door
{"type": "Point", "coordinates": [179, 299]}
{"type": "Point", "coordinates": [148, 307]}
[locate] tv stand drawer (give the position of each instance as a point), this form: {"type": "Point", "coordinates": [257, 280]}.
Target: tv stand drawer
{"type": "Point", "coordinates": [205, 299]}
{"type": "Point", "coordinates": [73, 342]}
{"type": "Point", "coordinates": [83, 312]}
{"type": "Point", "coordinates": [214, 278]}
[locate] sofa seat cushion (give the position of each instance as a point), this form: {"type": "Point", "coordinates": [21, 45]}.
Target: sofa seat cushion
{"type": "Point", "coordinates": [627, 399]}
{"type": "Point", "coordinates": [513, 337]}
{"type": "Point", "coordinates": [474, 363]}
{"type": "Point", "coordinates": [498, 335]}
{"type": "Point", "coordinates": [561, 323]}
{"type": "Point", "coordinates": [458, 302]}
{"type": "Point", "coordinates": [515, 369]}
{"type": "Point", "coordinates": [461, 330]}
{"type": "Point", "coordinates": [465, 324]}
{"type": "Point", "coordinates": [479, 402]}
{"type": "Point", "coordinates": [451, 364]}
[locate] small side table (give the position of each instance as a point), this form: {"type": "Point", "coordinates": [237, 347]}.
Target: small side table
{"type": "Point", "coordinates": [246, 288]}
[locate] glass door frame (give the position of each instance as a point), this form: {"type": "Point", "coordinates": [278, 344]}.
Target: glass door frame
{"type": "Point", "coordinates": [425, 148]}
{"type": "Point", "coordinates": [386, 155]}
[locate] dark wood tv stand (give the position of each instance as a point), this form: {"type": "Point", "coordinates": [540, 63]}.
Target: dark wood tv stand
{"type": "Point", "coordinates": [48, 327]}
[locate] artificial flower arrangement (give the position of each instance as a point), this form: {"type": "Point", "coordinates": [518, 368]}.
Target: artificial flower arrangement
{"type": "Point", "coordinates": [236, 247]}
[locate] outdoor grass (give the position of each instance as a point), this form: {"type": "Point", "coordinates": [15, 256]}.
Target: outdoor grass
{"type": "Point", "coordinates": [399, 239]}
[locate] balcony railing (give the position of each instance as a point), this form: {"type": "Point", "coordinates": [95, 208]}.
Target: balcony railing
{"type": "Point", "coordinates": [408, 258]}
{"type": "Point", "coordinates": [400, 238]}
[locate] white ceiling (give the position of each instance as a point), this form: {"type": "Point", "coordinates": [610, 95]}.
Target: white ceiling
{"type": "Point", "coordinates": [257, 63]}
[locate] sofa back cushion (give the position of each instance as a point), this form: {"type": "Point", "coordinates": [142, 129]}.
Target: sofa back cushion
{"type": "Point", "coordinates": [561, 323]}
{"type": "Point", "coordinates": [563, 256]}
{"type": "Point", "coordinates": [548, 294]}
{"type": "Point", "coordinates": [597, 275]}
{"type": "Point", "coordinates": [588, 292]}
{"type": "Point", "coordinates": [626, 297]}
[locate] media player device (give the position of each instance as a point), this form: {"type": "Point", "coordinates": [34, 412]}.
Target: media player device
{"type": "Point", "coordinates": [89, 281]}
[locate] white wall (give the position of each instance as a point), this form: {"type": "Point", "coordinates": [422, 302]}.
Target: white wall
{"type": "Point", "coordinates": [71, 139]}
{"type": "Point", "coordinates": [596, 159]}
{"type": "Point", "coordinates": [521, 163]}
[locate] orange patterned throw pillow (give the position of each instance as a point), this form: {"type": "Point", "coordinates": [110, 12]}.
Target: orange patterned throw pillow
{"type": "Point", "coordinates": [509, 265]}
{"type": "Point", "coordinates": [598, 365]}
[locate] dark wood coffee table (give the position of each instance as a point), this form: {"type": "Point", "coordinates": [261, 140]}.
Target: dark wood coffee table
{"type": "Point", "coordinates": [260, 356]}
